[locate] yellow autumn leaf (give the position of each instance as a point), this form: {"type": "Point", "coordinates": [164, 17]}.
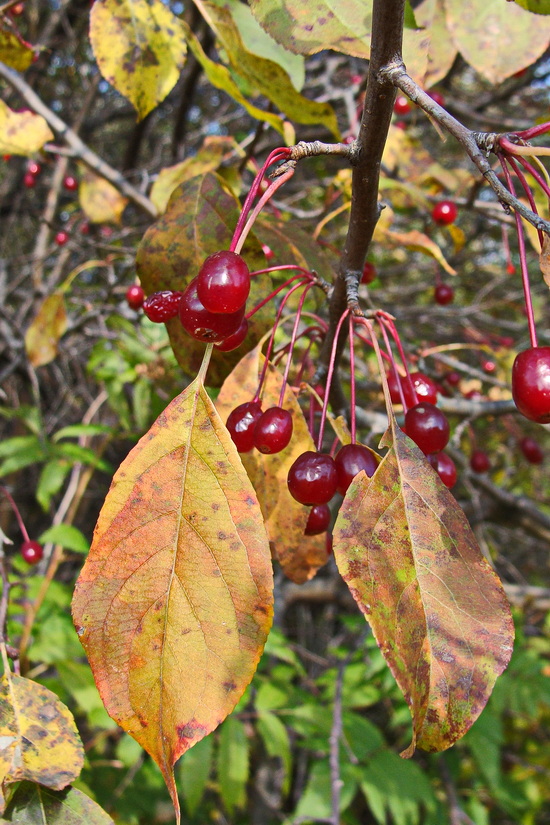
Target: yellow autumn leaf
{"type": "Point", "coordinates": [100, 200]}
{"type": "Point", "coordinates": [43, 335]}
{"type": "Point", "coordinates": [22, 133]}
{"type": "Point", "coordinates": [14, 51]}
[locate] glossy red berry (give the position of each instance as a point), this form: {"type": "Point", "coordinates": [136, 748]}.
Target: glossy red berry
{"type": "Point", "coordinates": [531, 383]}
{"type": "Point", "coordinates": [532, 450]}
{"type": "Point", "coordinates": [70, 183]}
{"type": "Point", "coordinates": [31, 551]}
{"type": "Point", "coordinates": [318, 520]}
{"type": "Point", "coordinates": [223, 282]}
{"type": "Point", "coordinates": [444, 213]}
{"type": "Point", "coordinates": [428, 427]}
{"type": "Point", "coordinates": [350, 460]}
{"type": "Point", "coordinates": [369, 273]}
{"type": "Point", "coordinates": [161, 306]}
{"type": "Point", "coordinates": [135, 296]}
{"type": "Point", "coordinates": [425, 388]}
{"type": "Point", "coordinates": [444, 294]}
{"type": "Point", "coordinates": [479, 461]}
{"type": "Point", "coordinates": [313, 478]}
{"type": "Point", "coordinates": [33, 168]}
{"type": "Point", "coordinates": [61, 238]}
{"type": "Point", "coordinates": [234, 341]}
{"type": "Point", "coordinates": [29, 180]}
{"type": "Point", "coordinates": [273, 431]}
{"type": "Point", "coordinates": [445, 468]}
{"type": "Point", "coordinates": [402, 105]}
{"type": "Point", "coordinates": [209, 327]}
{"type": "Point", "coordinates": [241, 423]}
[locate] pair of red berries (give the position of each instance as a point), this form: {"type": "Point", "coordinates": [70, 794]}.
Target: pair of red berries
{"type": "Point", "coordinates": [33, 171]}
{"type": "Point", "coordinates": [425, 389]}
{"type": "Point", "coordinates": [314, 477]}
{"type": "Point", "coordinates": [269, 431]}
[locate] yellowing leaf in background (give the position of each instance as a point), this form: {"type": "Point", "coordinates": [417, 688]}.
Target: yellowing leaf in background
{"type": "Point", "coordinates": [38, 736]}
{"type": "Point", "coordinates": [14, 51]}
{"type": "Point", "coordinates": [435, 605]}
{"type": "Point", "coordinates": [22, 133]}
{"type": "Point", "coordinates": [174, 603]}
{"type": "Point", "coordinates": [100, 200]}
{"type": "Point", "coordinates": [46, 330]}
{"type": "Point", "coordinates": [140, 49]}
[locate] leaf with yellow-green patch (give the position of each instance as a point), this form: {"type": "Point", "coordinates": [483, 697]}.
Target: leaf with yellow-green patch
{"type": "Point", "coordinates": [174, 603]}
{"type": "Point", "coordinates": [199, 220]}
{"type": "Point", "coordinates": [430, 52]}
{"type": "Point", "coordinates": [22, 133]}
{"type": "Point", "coordinates": [101, 202]}
{"type": "Point", "coordinates": [34, 805]}
{"type": "Point", "coordinates": [140, 49]}
{"type": "Point", "coordinates": [14, 51]}
{"type": "Point", "coordinates": [497, 38]}
{"type": "Point", "coordinates": [46, 330]}
{"type": "Point", "coordinates": [300, 556]}
{"type": "Point", "coordinates": [38, 736]}
{"type": "Point", "coordinates": [435, 605]}
{"type": "Point", "coordinates": [212, 153]}
{"type": "Point", "coordinates": [268, 77]}
{"type": "Point", "coordinates": [535, 6]}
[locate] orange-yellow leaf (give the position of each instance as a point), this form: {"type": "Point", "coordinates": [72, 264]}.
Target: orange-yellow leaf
{"type": "Point", "coordinates": [38, 737]}
{"type": "Point", "coordinates": [174, 603]}
{"type": "Point", "coordinates": [22, 133]}
{"type": "Point", "coordinates": [45, 332]}
{"type": "Point", "coordinates": [14, 51]}
{"type": "Point", "coordinates": [300, 556]}
{"type": "Point", "coordinates": [100, 200]}
{"type": "Point", "coordinates": [436, 607]}
{"type": "Point", "coordinates": [419, 242]}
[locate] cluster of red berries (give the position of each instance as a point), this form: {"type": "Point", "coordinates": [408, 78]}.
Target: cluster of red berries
{"type": "Point", "coordinates": [32, 173]}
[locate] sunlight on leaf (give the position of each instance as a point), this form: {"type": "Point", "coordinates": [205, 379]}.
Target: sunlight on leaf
{"type": "Point", "coordinates": [14, 51]}
{"type": "Point", "coordinates": [101, 202]}
{"type": "Point", "coordinates": [46, 330]}
{"type": "Point", "coordinates": [22, 133]}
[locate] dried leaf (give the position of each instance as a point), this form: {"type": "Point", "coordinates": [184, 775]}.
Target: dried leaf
{"type": "Point", "coordinates": [140, 49]}
{"type": "Point", "coordinates": [436, 606]}
{"type": "Point", "coordinates": [300, 556]}
{"type": "Point", "coordinates": [100, 200]}
{"type": "Point", "coordinates": [544, 259]}
{"type": "Point", "coordinates": [419, 242]}
{"type": "Point", "coordinates": [38, 737]}
{"type": "Point", "coordinates": [22, 133]}
{"type": "Point", "coordinates": [174, 603]}
{"type": "Point", "coordinates": [14, 51]}
{"type": "Point", "coordinates": [45, 332]}
{"type": "Point", "coordinates": [33, 805]}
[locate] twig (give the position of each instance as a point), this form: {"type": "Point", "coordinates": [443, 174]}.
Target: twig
{"type": "Point", "coordinates": [89, 158]}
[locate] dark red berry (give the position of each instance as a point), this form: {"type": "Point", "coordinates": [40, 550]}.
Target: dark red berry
{"type": "Point", "coordinates": [31, 551]}
{"type": "Point", "coordinates": [453, 378]}
{"type": "Point", "coordinates": [313, 478]}
{"type": "Point", "coordinates": [428, 427]}
{"type": "Point", "coordinates": [135, 296]}
{"type": "Point", "coordinates": [29, 180]}
{"type": "Point", "coordinates": [532, 450]}
{"type": "Point", "coordinates": [161, 306]}
{"type": "Point", "coordinates": [241, 422]}
{"type": "Point", "coordinates": [273, 430]}
{"type": "Point", "coordinates": [369, 273]}
{"type": "Point", "coordinates": [531, 383]}
{"type": "Point", "coordinates": [402, 105]}
{"type": "Point", "coordinates": [70, 183]}
{"type": "Point", "coordinates": [479, 461]}
{"type": "Point", "coordinates": [33, 168]}
{"type": "Point", "coordinates": [445, 468]}
{"type": "Point", "coordinates": [318, 520]}
{"type": "Point", "coordinates": [84, 228]}
{"type": "Point", "coordinates": [209, 327]}
{"type": "Point", "coordinates": [425, 388]}
{"type": "Point", "coordinates": [444, 213]}
{"type": "Point", "coordinates": [444, 294]}
{"type": "Point", "coordinates": [106, 232]}
{"type": "Point", "coordinates": [234, 341]}
{"type": "Point", "coordinates": [223, 282]}
{"type": "Point", "coordinates": [61, 238]}
{"type": "Point", "coordinates": [350, 460]}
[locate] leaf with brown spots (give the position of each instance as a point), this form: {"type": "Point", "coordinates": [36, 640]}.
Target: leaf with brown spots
{"type": "Point", "coordinates": [300, 556]}
{"type": "Point", "coordinates": [22, 133]}
{"type": "Point", "coordinates": [174, 603]}
{"type": "Point", "coordinates": [435, 605]}
{"type": "Point", "coordinates": [140, 49]}
{"type": "Point", "coordinates": [46, 330]}
{"type": "Point", "coordinates": [38, 737]}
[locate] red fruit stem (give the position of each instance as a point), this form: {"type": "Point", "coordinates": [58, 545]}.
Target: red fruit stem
{"type": "Point", "coordinates": [352, 381]}
{"type": "Point", "coordinates": [300, 269]}
{"type": "Point", "coordinates": [527, 189]}
{"type": "Point", "coordinates": [369, 343]}
{"type": "Point", "coordinates": [269, 192]}
{"type": "Point", "coordinates": [277, 154]}
{"type": "Point", "coordinates": [15, 509]}
{"type": "Point", "coordinates": [393, 366]}
{"type": "Point", "coordinates": [534, 131]}
{"type": "Point", "coordinates": [381, 367]}
{"type": "Point", "coordinates": [388, 321]}
{"type": "Point", "coordinates": [292, 342]}
{"type": "Point", "coordinates": [535, 173]}
{"type": "Point", "coordinates": [329, 379]}
{"type": "Point", "coordinates": [271, 295]}
{"type": "Point", "coordinates": [522, 258]}
{"type": "Point", "coordinates": [272, 337]}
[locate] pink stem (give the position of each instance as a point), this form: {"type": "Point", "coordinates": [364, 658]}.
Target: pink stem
{"type": "Point", "coordinates": [534, 131]}
{"type": "Point", "coordinates": [271, 296]}
{"type": "Point", "coordinates": [392, 361]}
{"type": "Point", "coordinates": [269, 192]}
{"type": "Point", "coordinates": [535, 173]}
{"type": "Point", "coordinates": [352, 381]}
{"type": "Point", "coordinates": [15, 509]}
{"type": "Point", "coordinates": [527, 189]}
{"type": "Point", "coordinates": [329, 379]}
{"type": "Point", "coordinates": [292, 342]}
{"type": "Point", "coordinates": [301, 269]}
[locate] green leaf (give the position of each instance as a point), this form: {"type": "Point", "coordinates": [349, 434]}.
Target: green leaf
{"type": "Point", "coordinates": [32, 454]}
{"type": "Point", "coordinates": [19, 444]}
{"type": "Point", "coordinates": [34, 805]}
{"type": "Point", "coordinates": [193, 772]}
{"type": "Point", "coordinates": [140, 49]}
{"type": "Point", "coordinates": [30, 416]}
{"type": "Point", "coordinates": [410, 19]}
{"type": "Point", "coordinates": [362, 737]}
{"type": "Point", "coordinates": [396, 786]}
{"type": "Point", "coordinates": [78, 430]}
{"type": "Point", "coordinates": [536, 6]}
{"type": "Point", "coordinates": [84, 454]}
{"type": "Point", "coordinates": [67, 536]}
{"type": "Point", "coordinates": [316, 801]}
{"type": "Point", "coordinates": [233, 764]}
{"type": "Point", "coordinates": [51, 481]}
{"type": "Point", "coordinates": [276, 742]}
